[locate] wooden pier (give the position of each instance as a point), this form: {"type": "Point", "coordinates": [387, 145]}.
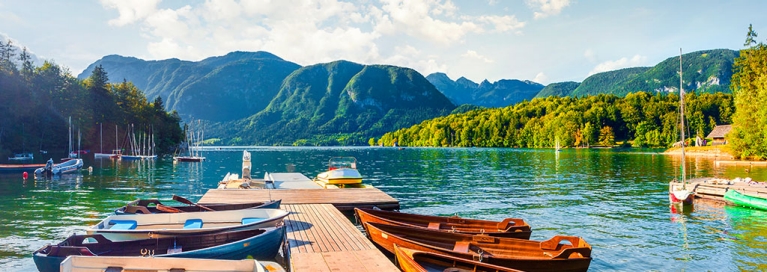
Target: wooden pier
{"type": "Point", "coordinates": [342, 199]}
{"type": "Point", "coordinates": [713, 188]}
{"type": "Point", "coordinates": [319, 236]}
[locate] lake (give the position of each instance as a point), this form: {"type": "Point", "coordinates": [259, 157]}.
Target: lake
{"type": "Point", "coordinates": [617, 200]}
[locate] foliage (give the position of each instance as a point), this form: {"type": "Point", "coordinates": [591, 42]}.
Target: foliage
{"type": "Point", "coordinates": [585, 121]}
{"type": "Point", "coordinates": [37, 102]}
{"type": "Point", "coordinates": [749, 86]}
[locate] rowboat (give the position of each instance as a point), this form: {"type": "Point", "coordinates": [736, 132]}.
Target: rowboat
{"type": "Point", "coordinates": [741, 199]}
{"type": "Point", "coordinates": [91, 263]}
{"type": "Point", "coordinates": [257, 243]}
{"type": "Point", "coordinates": [143, 206]}
{"type": "Point", "coordinates": [526, 255]}
{"type": "Point", "coordinates": [66, 167]}
{"type": "Point", "coordinates": [509, 227]}
{"type": "Point", "coordinates": [156, 225]}
{"type": "Point", "coordinates": [419, 261]}
{"type": "Point", "coordinates": [28, 156]}
{"type": "Point", "coordinates": [341, 171]}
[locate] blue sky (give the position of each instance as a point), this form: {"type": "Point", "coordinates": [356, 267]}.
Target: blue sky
{"type": "Point", "coordinates": [541, 40]}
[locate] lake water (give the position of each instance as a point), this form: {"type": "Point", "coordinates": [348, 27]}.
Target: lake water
{"type": "Point", "coordinates": [616, 199]}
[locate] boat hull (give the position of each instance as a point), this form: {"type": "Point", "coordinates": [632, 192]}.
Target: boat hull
{"type": "Point", "coordinates": [744, 200]}
{"type": "Point", "coordinates": [510, 227]}
{"type": "Point", "coordinates": [677, 193]}
{"type": "Point", "coordinates": [92, 263]}
{"type": "Point", "coordinates": [18, 168]}
{"type": "Point", "coordinates": [140, 226]}
{"type": "Point", "coordinates": [188, 159]}
{"type": "Point", "coordinates": [341, 176]}
{"type": "Point", "coordinates": [544, 256]}
{"type": "Point", "coordinates": [257, 244]}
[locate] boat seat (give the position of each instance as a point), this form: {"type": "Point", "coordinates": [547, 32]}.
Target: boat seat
{"type": "Point", "coordinates": [461, 246]}
{"type": "Point", "coordinates": [433, 225]}
{"type": "Point", "coordinates": [122, 224]}
{"type": "Point", "coordinates": [193, 224]}
{"type": "Point", "coordinates": [251, 220]}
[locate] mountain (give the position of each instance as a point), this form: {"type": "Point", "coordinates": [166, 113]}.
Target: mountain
{"type": "Point", "coordinates": [707, 71]}
{"type": "Point", "coordinates": [558, 89]}
{"type": "Point", "coordinates": [222, 88]}
{"type": "Point", "coordinates": [322, 103]}
{"type": "Point", "coordinates": [497, 94]}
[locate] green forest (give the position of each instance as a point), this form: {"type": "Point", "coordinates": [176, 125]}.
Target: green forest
{"type": "Point", "coordinates": [37, 103]}
{"type": "Point", "coordinates": [647, 120]}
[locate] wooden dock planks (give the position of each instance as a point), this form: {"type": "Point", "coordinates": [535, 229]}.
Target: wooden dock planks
{"type": "Point", "coordinates": [342, 199]}
{"type": "Point", "coordinates": [321, 238]}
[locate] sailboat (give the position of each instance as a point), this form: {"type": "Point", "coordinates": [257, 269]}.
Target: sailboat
{"type": "Point", "coordinates": [193, 153]}
{"type": "Point", "coordinates": [677, 190]}
{"type": "Point", "coordinates": [24, 155]}
{"type": "Point", "coordinates": [556, 145]}
{"type": "Point", "coordinates": [101, 153]}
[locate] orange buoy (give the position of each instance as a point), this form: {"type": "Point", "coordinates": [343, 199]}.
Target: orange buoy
{"type": "Point", "coordinates": [25, 175]}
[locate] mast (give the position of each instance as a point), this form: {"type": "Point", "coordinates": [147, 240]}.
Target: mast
{"type": "Point", "coordinates": [116, 145]}
{"type": "Point", "coordinates": [681, 113]}
{"type": "Point", "coordinates": [78, 143]}
{"type": "Point", "coordinates": [69, 134]}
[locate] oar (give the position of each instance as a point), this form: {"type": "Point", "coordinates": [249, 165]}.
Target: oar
{"type": "Point", "coordinates": [167, 209]}
{"type": "Point", "coordinates": [186, 201]}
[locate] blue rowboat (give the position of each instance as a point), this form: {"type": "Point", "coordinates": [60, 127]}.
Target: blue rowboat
{"type": "Point", "coordinates": [156, 225]}
{"type": "Point", "coordinates": [259, 244]}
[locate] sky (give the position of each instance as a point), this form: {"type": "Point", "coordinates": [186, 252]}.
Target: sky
{"type": "Point", "coordinates": [544, 41]}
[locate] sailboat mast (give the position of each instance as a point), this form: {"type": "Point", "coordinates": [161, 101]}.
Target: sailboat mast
{"type": "Point", "coordinates": [101, 138]}
{"type": "Point", "coordinates": [681, 112]}
{"type": "Point", "coordinates": [69, 134]}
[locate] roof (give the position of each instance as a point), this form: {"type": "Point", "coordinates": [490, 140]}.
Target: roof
{"type": "Point", "coordinates": [719, 131]}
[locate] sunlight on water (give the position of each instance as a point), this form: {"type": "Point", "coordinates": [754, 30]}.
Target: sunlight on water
{"type": "Point", "coordinates": [617, 200]}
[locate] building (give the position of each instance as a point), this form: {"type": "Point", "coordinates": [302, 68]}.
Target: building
{"type": "Point", "coordinates": [717, 135]}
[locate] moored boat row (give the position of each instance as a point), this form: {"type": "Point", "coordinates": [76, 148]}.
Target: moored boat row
{"type": "Point", "coordinates": [148, 228]}
{"type": "Point", "coordinates": [433, 243]}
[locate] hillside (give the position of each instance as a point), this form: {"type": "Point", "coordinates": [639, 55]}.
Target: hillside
{"type": "Point", "coordinates": [339, 103]}
{"type": "Point", "coordinates": [558, 89]}
{"type": "Point", "coordinates": [223, 88]}
{"type": "Point", "coordinates": [707, 71]}
{"type": "Point", "coordinates": [497, 94]}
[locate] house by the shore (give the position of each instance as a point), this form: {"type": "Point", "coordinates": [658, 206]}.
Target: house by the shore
{"type": "Point", "coordinates": [718, 134]}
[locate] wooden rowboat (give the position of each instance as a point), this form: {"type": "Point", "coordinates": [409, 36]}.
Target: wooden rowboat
{"type": "Point", "coordinates": [97, 264]}
{"type": "Point", "coordinates": [157, 225]}
{"type": "Point", "coordinates": [258, 243]}
{"type": "Point", "coordinates": [509, 227]}
{"type": "Point", "coordinates": [144, 206]}
{"type": "Point", "coordinates": [419, 261]}
{"type": "Point", "coordinates": [526, 255]}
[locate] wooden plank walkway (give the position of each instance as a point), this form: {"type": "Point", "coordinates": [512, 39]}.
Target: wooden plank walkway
{"type": "Point", "coordinates": [342, 199]}
{"type": "Point", "coordinates": [712, 188]}
{"type": "Point", "coordinates": [321, 238]}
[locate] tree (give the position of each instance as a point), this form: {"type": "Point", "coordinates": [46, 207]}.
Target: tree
{"type": "Point", "coordinates": [749, 87]}
{"type": "Point", "coordinates": [606, 136]}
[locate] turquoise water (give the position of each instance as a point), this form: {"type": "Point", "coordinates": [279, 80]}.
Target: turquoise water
{"type": "Point", "coordinates": [617, 200]}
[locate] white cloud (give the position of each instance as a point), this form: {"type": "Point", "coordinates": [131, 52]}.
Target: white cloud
{"type": "Point", "coordinates": [541, 78]}
{"type": "Point", "coordinates": [503, 23]}
{"type": "Point", "coordinates": [474, 55]}
{"type": "Point", "coordinates": [547, 7]}
{"type": "Point", "coordinates": [130, 11]}
{"type": "Point", "coordinates": [308, 32]}
{"type": "Point", "coordinates": [624, 62]}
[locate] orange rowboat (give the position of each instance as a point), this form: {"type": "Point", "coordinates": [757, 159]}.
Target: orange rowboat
{"type": "Point", "coordinates": [509, 227]}
{"type": "Point", "coordinates": [418, 261]}
{"type": "Point", "coordinates": [542, 256]}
